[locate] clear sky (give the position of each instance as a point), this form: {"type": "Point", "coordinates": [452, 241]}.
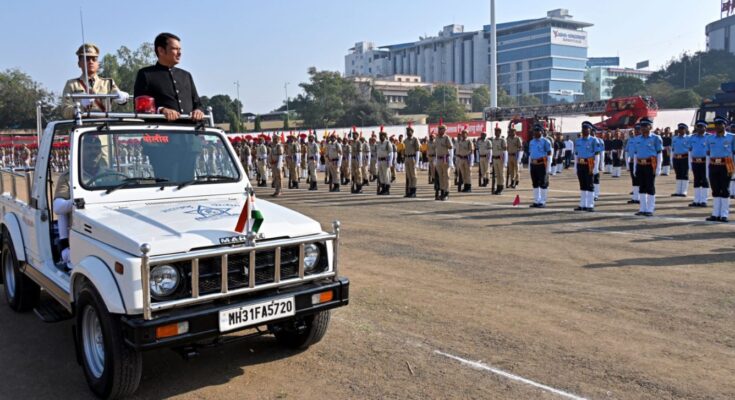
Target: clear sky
{"type": "Point", "coordinates": [265, 44]}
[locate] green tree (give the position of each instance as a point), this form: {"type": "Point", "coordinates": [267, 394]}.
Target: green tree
{"type": "Point", "coordinates": [418, 100]}
{"type": "Point", "coordinates": [710, 85]}
{"type": "Point", "coordinates": [528, 100]}
{"type": "Point", "coordinates": [624, 86]}
{"type": "Point", "coordinates": [681, 98]}
{"type": "Point", "coordinates": [257, 127]}
{"type": "Point", "coordinates": [286, 124]}
{"type": "Point", "coordinates": [445, 104]}
{"type": "Point", "coordinates": [690, 70]}
{"type": "Point", "coordinates": [480, 98]}
{"type": "Point", "coordinates": [590, 89]}
{"type": "Point", "coordinates": [18, 96]}
{"type": "Point", "coordinates": [123, 68]}
{"type": "Point", "coordinates": [504, 99]}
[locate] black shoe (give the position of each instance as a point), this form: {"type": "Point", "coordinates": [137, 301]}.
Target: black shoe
{"type": "Point", "coordinates": [336, 188]}
{"type": "Point", "coordinates": [597, 198]}
{"type": "Point", "coordinates": [723, 219]}
{"type": "Point", "coordinates": [312, 186]}
{"type": "Point", "coordinates": [712, 218]}
{"type": "Point", "coordinates": [640, 213]}
{"type": "Point", "coordinates": [534, 205]}
{"type": "Point", "coordinates": [541, 205]}
{"type": "Point", "coordinates": [498, 189]}
{"type": "Point", "coordinates": [295, 185]}
{"type": "Point", "coordinates": [693, 204]}
{"type": "Point", "coordinates": [444, 195]}
{"type": "Point", "coordinates": [467, 189]}
{"type": "Point", "coordinates": [358, 189]}
{"type": "Point", "coordinates": [648, 214]}
{"type": "Point", "coordinates": [436, 195]}
{"type": "Point", "coordinates": [589, 209]}
{"type": "Point", "coordinates": [413, 193]}
{"type": "Point", "coordinates": [580, 209]}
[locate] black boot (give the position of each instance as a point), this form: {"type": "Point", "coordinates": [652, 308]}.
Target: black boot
{"type": "Point", "coordinates": [387, 190]}
{"type": "Point", "coordinates": [467, 188]}
{"type": "Point", "coordinates": [499, 189]}
{"type": "Point", "coordinates": [312, 186]}
{"type": "Point", "coordinates": [359, 189]}
{"type": "Point", "coordinates": [336, 188]}
{"type": "Point", "coordinates": [365, 182]}
{"type": "Point", "coordinates": [296, 185]}
{"type": "Point", "coordinates": [413, 193]}
{"type": "Point", "coordinates": [437, 196]}
{"type": "Point", "coordinates": [444, 195]}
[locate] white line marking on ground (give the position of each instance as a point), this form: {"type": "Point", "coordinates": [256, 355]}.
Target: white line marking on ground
{"type": "Point", "coordinates": [485, 367]}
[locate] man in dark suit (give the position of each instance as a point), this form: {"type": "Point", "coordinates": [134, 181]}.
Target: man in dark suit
{"type": "Point", "coordinates": [172, 88]}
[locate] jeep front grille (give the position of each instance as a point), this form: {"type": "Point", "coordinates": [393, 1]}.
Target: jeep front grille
{"type": "Point", "coordinates": [217, 273]}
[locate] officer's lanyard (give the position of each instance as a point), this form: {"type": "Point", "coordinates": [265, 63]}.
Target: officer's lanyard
{"type": "Point", "coordinates": [91, 91]}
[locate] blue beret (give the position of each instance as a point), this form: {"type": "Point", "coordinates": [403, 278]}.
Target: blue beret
{"type": "Point", "coordinates": [646, 121]}
{"type": "Point", "coordinates": [721, 120]}
{"type": "Point", "coordinates": [701, 122]}
{"type": "Point", "coordinates": [683, 126]}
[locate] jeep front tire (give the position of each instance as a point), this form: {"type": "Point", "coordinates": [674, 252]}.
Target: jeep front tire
{"type": "Point", "coordinates": [301, 333]}
{"type": "Point", "coordinates": [112, 369]}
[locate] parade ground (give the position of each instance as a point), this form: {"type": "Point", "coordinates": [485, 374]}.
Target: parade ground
{"type": "Point", "coordinates": [469, 298]}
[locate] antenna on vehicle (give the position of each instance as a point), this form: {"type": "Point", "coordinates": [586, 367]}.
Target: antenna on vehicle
{"type": "Point", "coordinates": [84, 53]}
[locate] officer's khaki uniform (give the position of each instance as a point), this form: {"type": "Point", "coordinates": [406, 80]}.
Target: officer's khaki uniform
{"type": "Point", "coordinates": [443, 146]}
{"type": "Point", "coordinates": [410, 149]}
{"type": "Point", "coordinates": [499, 148]}
{"type": "Point", "coordinates": [262, 161]}
{"type": "Point", "coordinates": [374, 160]}
{"type": "Point", "coordinates": [485, 148]}
{"type": "Point", "coordinates": [346, 161]}
{"type": "Point", "coordinates": [276, 162]}
{"type": "Point", "coordinates": [515, 146]}
{"type": "Point", "coordinates": [365, 148]}
{"type": "Point", "coordinates": [431, 154]}
{"type": "Point", "coordinates": [99, 86]}
{"type": "Point", "coordinates": [293, 155]}
{"type": "Point", "coordinates": [384, 149]}
{"type": "Point", "coordinates": [464, 150]}
{"type": "Point", "coordinates": [312, 157]}
{"type": "Point", "coordinates": [333, 154]}
{"type": "Point", "coordinates": [245, 157]}
{"type": "Point", "coordinates": [357, 162]}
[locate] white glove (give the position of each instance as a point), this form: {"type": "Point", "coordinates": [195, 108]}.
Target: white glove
{"type": "Point", "coordinates": [660, 160]}
{"type": "Point", "coordinates": [65, 255]}
{"type": "Point", "coordinates": [122, 97]}
{"type": "Point", "coordinates": [86, 103]}
{"type": "Point", "coordinates": [548, 164]}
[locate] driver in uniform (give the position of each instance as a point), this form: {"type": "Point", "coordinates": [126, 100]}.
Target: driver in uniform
{"type": "Point", "coordinates": [93, 166]}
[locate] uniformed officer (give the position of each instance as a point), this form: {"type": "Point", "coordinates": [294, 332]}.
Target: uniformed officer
{"type": "Point", "coordinates": [262, 161]}
{"type": "Point", "coordinates": [720, 152]}
{"type": "Point", "coordinates": [276, 163]}
{"type": "Point", "coordinates": [515, 155]}
{"type": "Point", "coordinates": [88, 57]}
{"type": "Point", "coordinates": [373, 158]}
{"type": "Point", "coordinates": [312, 161]}
{"type": "Point", "coordinates": [698, 163]}
{"type": "Point", "coordinates": [346, 161]}
{"type": "Point", "coordinates": [539, 160]}
{"type": "Point", "coordinates": [464, 159]}
{"type": "Point", "coordinates": [586, 160]}
{"type": "Point", "coordinates": [617, 144]}
{"type": "Point", "coordinates": [600, 149]}
{"type": "Point", "coordinates": [365, 148]}
{"type": "Point", "coordinates": [443, 155]}
{"type": "Point", "coordinates": [630, 145]}
{"type": "Point", "coordinates": [411, 156]}
{"type": "Point", "coordinates": [334, 160]}
{"type": "Point", "coordinates": [484, 150]}
{"type": "Point", "coordinates": [680, 154]}
{"type": "Point", "coordinates": [500, 156]}
{"type": "Point", "coordinates": [385, 158]}
{"type": "Point", "coordinates": [394, 158]}
{"type": "Point", "coordinates": [245, 156]}
{"type": "Point", "coordinates": [293, 154]}
{"type": "Point", "coordinates": [431, 154]}
{"type": "Point", "coordinates": [358, 158]}
{"type": "Point", "coordinates": [648, 158]}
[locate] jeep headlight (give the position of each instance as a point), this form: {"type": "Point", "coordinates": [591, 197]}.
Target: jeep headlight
{"type": "Point", "coordinates": [311, 257]}
{"type": "Point", "coordinates": [164, 280]}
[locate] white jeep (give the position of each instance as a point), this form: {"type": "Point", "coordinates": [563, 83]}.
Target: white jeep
{"type": "Point", "coordinates": [155, 260]}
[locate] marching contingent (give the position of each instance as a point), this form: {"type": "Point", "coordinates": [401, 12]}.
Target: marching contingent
{"type": "Point", "coordinates": [353, 160]}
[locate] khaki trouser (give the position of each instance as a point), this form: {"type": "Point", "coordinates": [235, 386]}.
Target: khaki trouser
{"type": "Point", "coordinates": [293, 174]}
{"type": "Point", "coordinates": [334, 172]}
{"type": "Point", "coordinates": [277, 178]}
{"type": "Point", "coordinates": [364, 172]}
{"type": "Point", "coordinates": [432, 169]}
{"type": "Point", "coordinates": [484, 166]}
{"type": "Point", "coordinates": [513, 168]}
{"type": "Point", "coordinates": [463, 166]}
{"type": "Point", "coordinates": [312, 170]}
{"type": "Point", "coordinates": [374, 166]}
{"type": "Point", "coordinates": [261, 169]}
{"type": "Point", "coordinates": [411, 171]}
{"type": "Point", "coordinates": [383, 172]}
{"type": "Point", "coordinates": [345, 168]}
{"type": "Point", "coordinates": [442, 170]}
{"type": "Point", "coordinates": [356, 172]}
{"type": "Point", "coordinates": [498, 168]}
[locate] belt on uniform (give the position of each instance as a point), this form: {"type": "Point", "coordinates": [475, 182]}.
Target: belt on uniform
{"type": "Point", "coordinates": [412, 156]}
{"type": "Point", "coordinates": [445, 158]}
{"type": "Point", "coordinates": [497, 157]}
{"type": "Point", "coordinates": [334, 159]}
{"type": "Point", "coordinates": [648, 161]}
{"type": "Point", "coordinates": [539, 161]}
{"type": "Point", "coordinates": [463, 157]}
{"type": "Point", "coordinates": [726, 161]}
{"type": "Point", "coordinates": [680, 156]}
{"type": "Point", "coordinates": [382, 159]}
{"type": "Point", "coordinates": [483, 156]}
{"type": "Point", "coordinates": [698, 160]}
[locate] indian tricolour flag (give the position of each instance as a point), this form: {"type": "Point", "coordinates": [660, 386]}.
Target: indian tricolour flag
{"type": "Point", "coordinates": [250, 217]}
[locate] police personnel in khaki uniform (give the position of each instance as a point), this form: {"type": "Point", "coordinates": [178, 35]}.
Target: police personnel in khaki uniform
{"type": "Point", "coordinates": [358, 158]}
{"type": "Point", "coordinates": [443, 148]}
{"type": "Point", "coordinates": [245, 157]}
{"type": "Point", "coordinates": [312, 161]}
{"type": "Point", "coordinates": [485, 150]}
{"type": "Point", "coordinates": [515, 148]}
{"type": "Point", "coordinates": [276, 163]}
{"type": "Point", "coordinates": [334, 159]}
{"type": "Point", "coordinates": [411, 155]}
{"type": "Point", "coordinates": [373, 158]}
{"type": "Point", "coordinates": [262, 162]}
{"type": "Point", "coordinates": [90, 53]}
{"type": "Point", "coordinates": [499, 157]}
{"type": "Point", "coordinates": [365, 148]}
{"type": "Point", "coordinates": [346, 161]}
{"type": "Point", "coordinates": [464, 159]}
{"type": "Point", "coordinates": [384, 149]}
{"type": "Point", "coordinates": [293, 173]}
{"type": "Point", "coordinates": [431, 154]}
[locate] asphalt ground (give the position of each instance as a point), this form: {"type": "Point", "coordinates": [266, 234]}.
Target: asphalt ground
{"type": "Point", "coordinates": [468, 298]}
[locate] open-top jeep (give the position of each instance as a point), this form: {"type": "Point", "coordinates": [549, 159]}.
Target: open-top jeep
{"type": "Point", "coordinates": [155, 258]}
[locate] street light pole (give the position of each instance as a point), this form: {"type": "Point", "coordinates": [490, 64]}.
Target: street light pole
{"type": "Point", "coordinates": [285, 88]}
{"type": "Point", "coordinates": [239, 105]}
{"type": "Point", "coordinates": [493, 58]}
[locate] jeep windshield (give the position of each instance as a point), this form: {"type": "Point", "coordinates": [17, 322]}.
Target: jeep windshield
{"type": "Point", "coordinates": [125, 159]}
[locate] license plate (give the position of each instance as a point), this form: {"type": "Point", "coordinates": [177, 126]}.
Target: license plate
{"type": "Point", "coordinates": [255, 314]}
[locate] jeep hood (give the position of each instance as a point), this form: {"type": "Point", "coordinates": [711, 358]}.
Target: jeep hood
{"type": "Point", "coordinates": [172, 227]}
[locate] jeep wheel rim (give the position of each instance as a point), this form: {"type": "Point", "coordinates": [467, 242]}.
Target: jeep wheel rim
{"type": "Point", "coordinates": [9, 274]}
{"type": "Point", "coordinates": [93, 342]}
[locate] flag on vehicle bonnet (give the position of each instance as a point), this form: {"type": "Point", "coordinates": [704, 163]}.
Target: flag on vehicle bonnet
{"type": "Point", "coordinates": [250, 218]}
